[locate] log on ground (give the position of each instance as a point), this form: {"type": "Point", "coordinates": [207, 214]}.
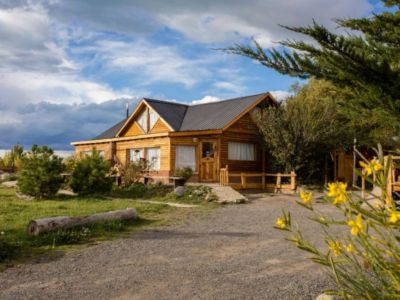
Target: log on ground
{"type": "Point", "coordinates": [36, 227]}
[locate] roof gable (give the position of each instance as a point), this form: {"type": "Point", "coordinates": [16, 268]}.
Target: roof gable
{"type": "Point", "coordinates": [172, 113]}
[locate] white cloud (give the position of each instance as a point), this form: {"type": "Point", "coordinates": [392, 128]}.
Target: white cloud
{"type": "Point", "coordinates": [208, 21]}
{"type": "Point", "coordinates": [280, 95]}
{"type": "Point", "coordinates": [206, 99]}
{"type": "Point", "coordinates": [153, 62]}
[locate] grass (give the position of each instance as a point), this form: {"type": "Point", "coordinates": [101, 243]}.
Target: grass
{"type": "Point", "coordinates": [16, 245]}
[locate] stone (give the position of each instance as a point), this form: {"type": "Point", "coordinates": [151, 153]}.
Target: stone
{"type": "Point", "coordinates": [9, 184]}
{"type": "Point", "coordinates": [179, 191]}
{"type": "Point", "coordinates": [4, 175]}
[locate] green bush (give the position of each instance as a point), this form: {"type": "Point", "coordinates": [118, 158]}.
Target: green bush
{"type": "Point", "coordinates": [184, 173]}
{"type": "Point", "coordinates": [91, 175]}
{"type": "Point", "coordinates": [70, 163]}
{"type": "Point", "coordinates": [40, 175]}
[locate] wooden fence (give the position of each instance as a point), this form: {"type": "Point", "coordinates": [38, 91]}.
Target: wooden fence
{"type": "Point", "coordinates": [277, 184]}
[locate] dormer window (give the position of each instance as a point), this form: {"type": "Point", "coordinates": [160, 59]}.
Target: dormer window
{"type": "Point", "coordinates": [147, 119]}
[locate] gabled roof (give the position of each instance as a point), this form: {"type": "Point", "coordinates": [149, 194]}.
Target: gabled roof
{"type": "Point", "coordinates": [172, 113]}
{"type": "Point", "coordinates": [183, 117]}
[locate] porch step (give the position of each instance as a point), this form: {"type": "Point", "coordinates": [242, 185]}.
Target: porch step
{"type": "Point", "coordinates": [225, 194]}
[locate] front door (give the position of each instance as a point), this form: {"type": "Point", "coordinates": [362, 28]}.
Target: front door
{"type": "Point", "coordinates": [208, 156]}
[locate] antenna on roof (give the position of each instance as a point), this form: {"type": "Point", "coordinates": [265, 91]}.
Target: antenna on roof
{"type": "Point", "coordinates": [127, 110]}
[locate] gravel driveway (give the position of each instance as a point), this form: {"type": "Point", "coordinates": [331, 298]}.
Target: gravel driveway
{"type": "Point", "coordinates": [229, 253]}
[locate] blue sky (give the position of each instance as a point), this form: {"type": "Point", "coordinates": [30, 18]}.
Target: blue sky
{"type": "Point", "coordinates": [67, 68]}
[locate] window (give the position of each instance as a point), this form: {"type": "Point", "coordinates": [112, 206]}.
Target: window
{"type": "Point", "coordinates": [241, 151]}
{"type": "Point", "coordinates": [153, 156]}
{"type": "Point", "coordinates": [89, 153]}
{"type": "Point", "coordinates": [136, 155]}
{"type": "Point", "coordinates": [185, 156]}
{"type": "Point", "coordinates": [152, 118]}
{"type": "Point", "coordinates": [142, 120]}
{"type": "Point", "coordinates": [207, 149]}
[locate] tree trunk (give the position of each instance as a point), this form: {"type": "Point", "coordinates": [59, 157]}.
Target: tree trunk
{"type": "Point", "coordinates": [36, 227]}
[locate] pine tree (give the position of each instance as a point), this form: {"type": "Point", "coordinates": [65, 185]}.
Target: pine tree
{"type": "Point", "coordinates": [366, 59]}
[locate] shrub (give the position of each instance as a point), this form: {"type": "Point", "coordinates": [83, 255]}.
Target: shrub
{"type": "Point", "coordinates": [70, 163]}
{"type": "Point", "coordinates": [91, 175]}
{"type": "Point", "coordinates": [365, 262]}
{"type": "Point", "coordinates": [184, 173]}
{"type": "Point", "coordinates": [134, 171]}
{"type": "Point", "coordinates": [40, 175]}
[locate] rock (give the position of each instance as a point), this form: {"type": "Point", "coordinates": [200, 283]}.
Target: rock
{"type": "Point", "coordinates": [4, 175]}
{"type": "Point", "coordinates": [9, 184]}
{"type": "Point", "coordinates": [23, 196]}
{"type": "Point", "coordinates": [179, 191]}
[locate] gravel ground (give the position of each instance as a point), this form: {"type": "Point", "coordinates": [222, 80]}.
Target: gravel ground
{"type": "Point", "coordinates": [229, 253]}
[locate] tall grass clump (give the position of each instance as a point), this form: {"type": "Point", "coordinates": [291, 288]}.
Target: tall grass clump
{"type": "Point", "coordinates": [364, 261]}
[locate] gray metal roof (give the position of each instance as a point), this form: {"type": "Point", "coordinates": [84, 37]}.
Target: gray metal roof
{"type": "Point", "coordinates": [182, 117]}
{"type": "Point", "coordinates": [172, 113]}
{"type": "Point", "coordinates": [215, 115]}
{"type": "Point", "coordinates": [111, 132]}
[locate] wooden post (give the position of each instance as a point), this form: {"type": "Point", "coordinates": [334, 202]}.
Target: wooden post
{"type": "Point", "coordinates": [263, 169]}
{"type": "Point", "coordinates": [363, 187]}
{"type": "Point", "coordinates": [278, 181]}
{"type": "Point", "coordinates": [263, 180]}
{"type": "Point", "coordinates": [293, 181]}
{"type": "Point", "coordinates": [389, 182]}
{"type": "Point", "coordinates": [226, 175]}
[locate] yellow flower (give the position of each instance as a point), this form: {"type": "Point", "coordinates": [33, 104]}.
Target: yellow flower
{"type": "Point", "coordinates": [280, 223]}
{"type": "Point", "coordinates": [366, 168]}
{"type": "Point", "coordinates": [356, 225]}
{"type": "Point", "coordinates": [337, 191]}
{"type": "Point", "coordinates": [349, 248]}
{"type": "Point", "coordinates": [394, 216]}
{"type": "Point", "coordinates": [376, 165]}
{"type": "Point", "coordinates": [334, 246]}
{"type": "Point", "coordinates": [306, 197]}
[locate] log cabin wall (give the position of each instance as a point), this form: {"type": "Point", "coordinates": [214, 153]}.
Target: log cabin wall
{"type": "Point", "coordinates": [123, 147]}
{"type": "Point", "coordinates": [195, 141]}
{"type": "Point", "coordinates": [243, 131]}
{"type": "Point", "coordinates": [106, 148]}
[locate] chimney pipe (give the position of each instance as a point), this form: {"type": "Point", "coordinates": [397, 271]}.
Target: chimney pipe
{"type": "Point", "coordinates": [127, 110]}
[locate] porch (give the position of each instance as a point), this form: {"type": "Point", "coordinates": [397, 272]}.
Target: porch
{"type": "Point", "coordinates": [276, 182]}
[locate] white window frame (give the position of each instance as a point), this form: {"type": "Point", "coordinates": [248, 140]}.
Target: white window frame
{"type": "Point", "coordinates": [143, 117]}
{"type": "Point", "coordinates": [132, 154]}
{"type": "Point", "coordinates": [241, 154]}
{"type": "Point", "coordinates": [178, 164]}
{"type": "Point", "coordinates": [153, 118]}
{"type": "Point", "coordinates": [157, 165]}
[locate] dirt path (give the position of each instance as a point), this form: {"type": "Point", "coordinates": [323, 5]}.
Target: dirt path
{"type": "Point", "coordinates": [229, 253]}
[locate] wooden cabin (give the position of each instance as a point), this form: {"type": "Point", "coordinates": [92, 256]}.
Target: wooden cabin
{"type": "Point", "coordinates": [205, 137]}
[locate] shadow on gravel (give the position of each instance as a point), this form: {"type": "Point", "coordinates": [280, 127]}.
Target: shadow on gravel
{"type": "Point", "coordinates": [168, 234]}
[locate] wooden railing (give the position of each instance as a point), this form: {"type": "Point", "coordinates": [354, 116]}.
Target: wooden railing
{"type": "Point", "coordinates": [277, 185]}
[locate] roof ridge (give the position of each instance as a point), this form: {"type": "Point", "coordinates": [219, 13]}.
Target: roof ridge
{"type": "Point", "coordinates": [165, 101]}
{"type": "Point", "coordinates": [230, 99]}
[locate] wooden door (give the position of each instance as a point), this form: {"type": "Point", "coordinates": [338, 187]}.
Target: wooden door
{"type": "Point", "coordinates": [208, 160]}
